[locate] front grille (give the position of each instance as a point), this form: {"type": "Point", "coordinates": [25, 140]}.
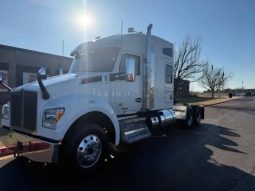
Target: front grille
{"type": "Point", "coordinates": [23, 110]}
{"type": "Point", "coordinates": [16, 108]}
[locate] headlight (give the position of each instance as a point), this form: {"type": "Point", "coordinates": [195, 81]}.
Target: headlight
{"type": "Point", "coordinates": [6, 112]}
{"type": "Point", "coordinates": [52, 116]}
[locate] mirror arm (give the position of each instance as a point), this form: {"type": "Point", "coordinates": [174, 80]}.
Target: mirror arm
{"type": "Point", "coordinates": [42, 74]}
{"type": "Point", "coordinates": [7, 87]}
{"type": "Point", "coordinates": [45, 94]}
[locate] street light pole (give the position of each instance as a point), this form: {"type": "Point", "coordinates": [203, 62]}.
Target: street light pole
{"type": "Point", "coordinates": [242, 89]}
{"type": "Point", "coordinates": [63, 46]}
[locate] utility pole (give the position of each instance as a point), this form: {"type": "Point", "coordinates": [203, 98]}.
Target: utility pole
{"type": "Point", "coordinates": [63, 45]}
{"type": "Point", "coordinates": [242, 89]}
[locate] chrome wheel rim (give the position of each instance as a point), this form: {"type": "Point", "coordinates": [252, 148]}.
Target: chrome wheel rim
{"type": "Point", "coordinates": [89, 151]}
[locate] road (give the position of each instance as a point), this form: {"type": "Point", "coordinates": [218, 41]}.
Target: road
{"type": "Point", "coordinates": [218, 155]}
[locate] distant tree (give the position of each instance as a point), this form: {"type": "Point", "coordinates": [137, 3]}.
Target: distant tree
{"type": "Point", "coordinates": [187, 60]}
{"type": "Point", "coordinates": [214, 78]}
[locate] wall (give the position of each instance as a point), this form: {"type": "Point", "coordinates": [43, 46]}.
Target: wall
{"type": "Point", "coordinates": [183, 88]}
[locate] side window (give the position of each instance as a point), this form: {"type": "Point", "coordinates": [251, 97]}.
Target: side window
{"type": "Point", "coordinates": [169, 74]}
{"type": "Point", "coordinates": [168, 52]}
{"type": "Point", "coordinates": [130, 56]}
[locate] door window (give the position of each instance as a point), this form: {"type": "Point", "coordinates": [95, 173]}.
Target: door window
{"type": "Point", "coordinates": [130, 57]}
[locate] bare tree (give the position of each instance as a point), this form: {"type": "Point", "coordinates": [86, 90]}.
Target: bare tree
{"type": "Point", "coordinates": [187, 63]}
{"type": "Point", "coordinates": [214, 78]}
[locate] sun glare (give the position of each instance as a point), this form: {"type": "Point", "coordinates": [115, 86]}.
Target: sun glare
{"type": "Point", "coordinates": [85, 21]}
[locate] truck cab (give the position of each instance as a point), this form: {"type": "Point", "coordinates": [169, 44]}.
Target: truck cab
{"type": "Point", "coordinates": [118, 91]}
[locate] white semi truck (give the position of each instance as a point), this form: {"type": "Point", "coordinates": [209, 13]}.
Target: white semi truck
{"type": "Point", "coordinates": [119, 90]}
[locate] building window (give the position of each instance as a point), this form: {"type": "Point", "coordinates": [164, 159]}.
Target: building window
{"type": "Point", "coordinates": [169, 74]}
{"type": "Point", "coordinates": [29, 77]}
{"type": "Point", "coordinates": [130, 56]}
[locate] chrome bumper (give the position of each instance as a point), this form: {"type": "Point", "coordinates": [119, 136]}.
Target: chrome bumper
{"type": "Point", "coordinates": [32, 148]}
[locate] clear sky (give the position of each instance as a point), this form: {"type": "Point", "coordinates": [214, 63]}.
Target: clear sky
{"type": "Point", "coordinates": [227, 27]}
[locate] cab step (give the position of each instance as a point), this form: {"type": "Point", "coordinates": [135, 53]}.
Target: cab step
{"type": "Point", "coordinates": [133, 130]}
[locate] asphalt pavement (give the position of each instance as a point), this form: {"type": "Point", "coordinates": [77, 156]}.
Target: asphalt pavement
{"type": "Point", "coordinates": [218, 155]}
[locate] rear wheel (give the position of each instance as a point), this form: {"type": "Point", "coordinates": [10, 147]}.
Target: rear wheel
{"type": "Point", "coordinates": [84, 148]}
{"type": "Point", "coordinates": [197, 116]}
{"type": "Point", "coordinates": [189, 117]}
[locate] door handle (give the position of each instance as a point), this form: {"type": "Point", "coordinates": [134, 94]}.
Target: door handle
{"type": "Point", "coordinates": [138, 99]}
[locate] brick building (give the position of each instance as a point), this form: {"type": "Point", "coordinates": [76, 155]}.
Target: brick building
{"type": "Point", "coordinates": [183, 88]}
{"type": "Point", "coordinates": [19, 66]}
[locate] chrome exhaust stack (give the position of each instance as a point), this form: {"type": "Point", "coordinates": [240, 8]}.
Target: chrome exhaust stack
{"type": "Point", "coordinates": [148, 84]}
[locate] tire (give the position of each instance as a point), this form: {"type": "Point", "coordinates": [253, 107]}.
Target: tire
{"type": "Point", "coordinates": [189, 117]}
{"type": "Point", "coordinates": [197, 116]}
{"type": "Point", "coordinates": [84, 148]}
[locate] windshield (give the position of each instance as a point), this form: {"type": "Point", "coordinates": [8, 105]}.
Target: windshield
{"type": "Point", "coordinates": [95, 60]}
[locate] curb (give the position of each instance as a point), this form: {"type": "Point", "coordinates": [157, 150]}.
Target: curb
{"type": "Point", "coordinates": [208, 105]}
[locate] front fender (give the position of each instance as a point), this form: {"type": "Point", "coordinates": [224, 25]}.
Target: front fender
{"type": "Point", "coordinates": [77, 105]}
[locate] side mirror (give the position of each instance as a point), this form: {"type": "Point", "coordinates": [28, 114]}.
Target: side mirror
{"type": "Point", "coordinates": [1, 78]}
{"type": "Point", "coordinates": [130, 70]}
{"type": "Point", "coordinates": [42, 74]}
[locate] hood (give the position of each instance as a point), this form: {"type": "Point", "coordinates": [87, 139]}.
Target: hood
{"type": "Point", "coordinates": [68, 80]}
{"type": "Point", "coordinates": [34, 86]}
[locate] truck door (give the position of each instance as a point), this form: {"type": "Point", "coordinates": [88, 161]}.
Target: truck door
{"type": "Point", "coordinates": [129, 93]}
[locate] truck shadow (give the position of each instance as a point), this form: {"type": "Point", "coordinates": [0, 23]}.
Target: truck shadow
{"type": "Point", "coordinates": [181, 161]}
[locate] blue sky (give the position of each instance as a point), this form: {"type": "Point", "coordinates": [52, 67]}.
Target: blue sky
{"type": "Point", "coordinates": [227, 27]}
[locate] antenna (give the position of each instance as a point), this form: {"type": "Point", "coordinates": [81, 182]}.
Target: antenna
{"type": "Point", "coordinates": [121, 30]}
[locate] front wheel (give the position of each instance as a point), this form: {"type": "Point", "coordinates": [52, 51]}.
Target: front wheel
{"type": "Point", "coordinates": [84, 148]}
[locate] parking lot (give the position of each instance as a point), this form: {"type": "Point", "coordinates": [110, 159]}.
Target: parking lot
{"type": "Point", "coordinates": [218, 155]}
